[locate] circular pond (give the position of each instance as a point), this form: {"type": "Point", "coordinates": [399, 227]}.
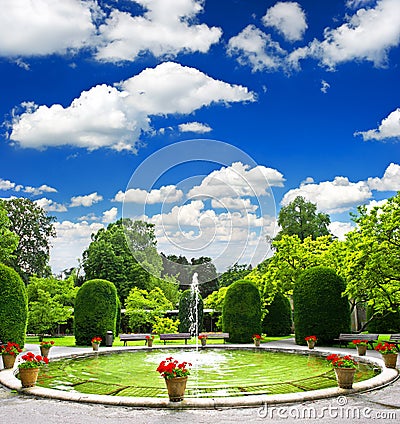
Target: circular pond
{"type": "Point", "coordinates": [214, 373]}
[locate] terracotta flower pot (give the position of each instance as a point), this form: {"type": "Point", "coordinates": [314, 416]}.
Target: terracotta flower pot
{"type": "Point", "coordinates": [390, 360]}
{"type": "Point", "coordinates": [257, 342]}
{"type": "Point", "coordinates": [8, 360]}
{"type": "Point", "coordinates": [95, 346]}
{"type": "Point", "coordinates": [28, 376]}
{"type": "Point", "coordinates": [311, 344]}
{"type": "Point", "coordinates": [361, 350]}
{"type": "Point", "coordinates": [203, 342]}
{"type": "Point", "coordinates": [44, 351]}
{"type": "Point", "coordinates": [150, 343]}
{"type": "Point", "coordinates": [345, 377]}
{"type": "Point", "coordinates": [176, 388]}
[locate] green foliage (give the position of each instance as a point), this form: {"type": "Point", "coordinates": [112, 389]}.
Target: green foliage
{"type": "Point", "coordinates": [384, 322]}
{"type": "Point", "coordinates": [233, 273]}
{"type": "Point", "coordinates": [319, 307]}
{"type": "Point", "coordinates": [142, 307]}
{"type": "Point", "coordinates": [188, 314]}
{"type": "Point", "coordinates": [241, 313]}
{"type": "Point", "coordinates": [34, 229]}
{"type": "Point", "coordinates": [13, 306]}
{"type": "Point", "coordinates": [301, 218]}
{"type": "Point", "coordinates": [95, 311]}
{"type": "Point", "coordinates": [8, 239]}
{"type": "Point", "coordinates": [165, 325]}
{"type": "Point", "coordinates": [215, 301]}
{"type": "Point", "coordinates": [168, 285]}
{"type": "Point", "coordinates": [278, 320]}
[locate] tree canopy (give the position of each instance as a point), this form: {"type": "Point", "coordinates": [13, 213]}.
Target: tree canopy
{"type": "Point", "coordinates": [8, 239]}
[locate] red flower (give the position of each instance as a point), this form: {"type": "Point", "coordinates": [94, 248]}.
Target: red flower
{"type": "Point", "coordinates": [170, 368]}
{"type": "Point", "coordinates": [314, 338]}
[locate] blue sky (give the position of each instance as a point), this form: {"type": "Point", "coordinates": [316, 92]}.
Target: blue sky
{"type": "Point", "coordinates": [239, 106]}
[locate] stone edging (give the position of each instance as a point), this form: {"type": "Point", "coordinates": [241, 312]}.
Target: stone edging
{"type": "Point", "coordinates": [387, 375]}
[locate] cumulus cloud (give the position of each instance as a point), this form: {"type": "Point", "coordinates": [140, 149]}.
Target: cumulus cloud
{"type": "Point", "coordinates": [114, 117]}
{"type": "Point", "coordinates": [110, 215]}
{"type": "Point", "coordinates": [368, 35]}
{"type": "Point", "coordinates": [45, 27]}
{"type": "Point", "coordinates": [255, 48]}
{"type": "Point", "coordinates": [390, 180]}
{"type": "Point", "coordinates": [86, 201]}
{"type": "Point", "coordinates": [288, 18]}
{"type": "Point", "coordinates": [50, 206]}
{"type": "Point", "coordinates": [340, 229]}
{"type": "Point", "coordinates": [388, 129]}
{"type": "Point", "coordinates": [166, 28]}
{"type": "Point", "coordinates": [334, 196]}
{"type": "Point", "coordinates": [238, 180]}
{"type": "Point", "coordinates": [196, 127]}
{"type": "Point", "coordinates": [165, 194]}
{"type": "Point", "coordinates": [6, 185]}
{"type": "Point", "coordinates": [39, 190]}
{"type": "Point", "coordinates": [230, 204]}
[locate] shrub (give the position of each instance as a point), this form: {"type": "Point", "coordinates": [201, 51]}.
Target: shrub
{"type": "Point", "coordinates": [278, 320]}
{"type": "Point", "coordinates": [95, 311]}
{"type": "Point", "coordinates": [319, 307]}
{"type": "Point", "coordinates": [384, 323]}
{"type": "Point", "coordinates": [187, 312]}
{"type": "Point", "coordinates": [165, 325]}
{"type": "Point", "coordinates": [13, 306]}
{"type": "Point", "coordinates": [241, 312]}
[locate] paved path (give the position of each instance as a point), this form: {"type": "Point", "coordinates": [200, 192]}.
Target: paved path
{"type": "Point", "coordinates": [376, 406]}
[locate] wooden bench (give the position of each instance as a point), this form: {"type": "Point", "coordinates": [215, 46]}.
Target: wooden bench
{"type": "Point", "coordinates": [175, 336]}
{"type": "Point", "coordinates": [395, 339]}
{"type": "Point", "coordinates": [133, 337]}
{"type": "Point", "coordinates": [346, 338]}
{"type": "Point", "coordinates": [216, 336]}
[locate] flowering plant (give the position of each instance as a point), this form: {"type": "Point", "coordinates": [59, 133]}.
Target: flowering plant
{"type": "Point", "coordinates": [11, 348]}
{"type": "Point", "coordinates": [386, 348]}
{"type": "Point", "coordinates": [97, 340]}
{"type": "Point", "coordinates": [311, 338]}
{"type": "Point", "coordinates": [170, 368]}
{"type": "Point", "coordinates": [360, 342]}
{"type": "Point", "coordinates": [32, 361]}
{"type": "Point", "coordinates": [256, 337]}
{"type": "Point", "coordinates": [202, 336]}
{"type": "Point", "coordinates": [338, 361]}
{"type": "Point", "coordinates": [47, 345]}
{"type": "Point", "coordinates": [151, 337]}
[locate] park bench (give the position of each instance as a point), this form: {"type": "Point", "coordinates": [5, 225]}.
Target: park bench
{"type": "Point", "coordinates": [133, 337]}
{"type": "Point", "coordinates": [216, 336]}
{"type": "Point", "coordinates": [175, 336]}
{"type": "Point", "coordinates": [395, 339]}
{"type": "Point", "coordinates": [345, 338]}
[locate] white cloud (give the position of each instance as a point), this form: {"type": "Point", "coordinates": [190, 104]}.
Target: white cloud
{"type": "Point", "coordinates": [238, 180]}
{"type": "Point", "coordinates": [334, 196]}
{"type": "Point", "coordinates": [390, 180]}
{"type": "Point", "coordinates": [43, 27]}
{"type": "Point", "coordinates": [165, 194]}
{"type": "Point", "coordinates": [6, 185]}
{"type": "Point", "coordinates": [324, 86]}
{"type": "Point", "coordinates": [389, 128]}
{"type": "Point", "coordinates": [230, 204]}
{"type": "Point", "coordinates": [196, 127]}
{"type": "Point", "coordinates": [86, 201]}
{"type": "Point", "coordinates": [368, 35]}
{"type": "Point", "coordinates": [114, 117]}
{"type": "Point", "coordinates": [72, 239]}
{"type": "Point", "coordinates": [110, 215]}
{"type": "Point", "coordinates": [39, 190]}
{"type": "Point", "coordinates": [165, 29]}
{"type": "Point", "coordinates": [340, 229]}
{"type": "Point", "coordinates": [252, 46]}
{"type": "Point", "coordinates": [355, 4]}
{"type": "Point", "coordinates": [50, 206]}
{"type": "Point", "coordinates": [288, 18]}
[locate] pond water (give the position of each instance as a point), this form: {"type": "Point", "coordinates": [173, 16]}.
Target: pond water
{"type": "Point", "coordinates": [214, 372]}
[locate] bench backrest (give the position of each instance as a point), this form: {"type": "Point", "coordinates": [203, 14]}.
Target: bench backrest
{"type": "Point", "coordinates": [217, 335]}
{"type": "Point", "coordinates": [350, 337]}
{"type": "Point", "coordinates": [133, 336]}
{"type": "Point", "coordinates": [172, 336]}
{"type": "Point", "coordinates": [394, 338]}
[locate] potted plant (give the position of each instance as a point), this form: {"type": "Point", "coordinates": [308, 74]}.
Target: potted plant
{"type": "Point", "coordinates": [29, 368]}
{"type": "Point", "coordinates": [96, 342]}
{"type": "Point", "coordinates": [311, 340]}
{"type": "Point", "coordinates": [389, 353]}
{"type": "Point", "coordinates": [9, 352]}
{"type": "Point", "coordinates": [256, 340]}
{"type": "Point", "coordinates": [361, 346]}
{"type": "Point", "coordinates": [203, 339]}
{"type": "Point", "coordinates": [45, 348]}
{"type": "Point", "coordinates": [175, 375]}
{"type": "Point", "coordinates": [149, 340]}
{"type": "Point", "coordinates": [345, 368]}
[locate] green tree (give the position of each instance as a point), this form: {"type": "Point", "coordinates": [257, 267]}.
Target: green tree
{"type": "Point", "coordinates": [215, 301]}
{"type": "Point", "coordinates": [301, 218]}
{"type": "Point", "coordinates": [278, 319]}
{"type": "Point", "coordinates": [8, 239]}
{"type": "Point", "coordinates": [34, 228]}
{"type": "Point", "coordinates": [373, 257]}
{"type": "Point", "coordinates": [233, 273]}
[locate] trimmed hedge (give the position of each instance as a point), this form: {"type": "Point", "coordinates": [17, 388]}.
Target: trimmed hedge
{"type": "Point", "coordinates": [278, 320]}
{"type": "Point", "coordinates": [241, 312]}
{"type": "Point", "coordinates": [95, 311]}
{"type": "Point", "coordinates": [187, 312]}
{"type": "Point", "coordinates": [13, 306]}
{"type": "Point", "coordinates": [319, 308]}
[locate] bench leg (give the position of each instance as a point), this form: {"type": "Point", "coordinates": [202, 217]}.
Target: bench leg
{"type": "Point", "coordinates": [125, 343]}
